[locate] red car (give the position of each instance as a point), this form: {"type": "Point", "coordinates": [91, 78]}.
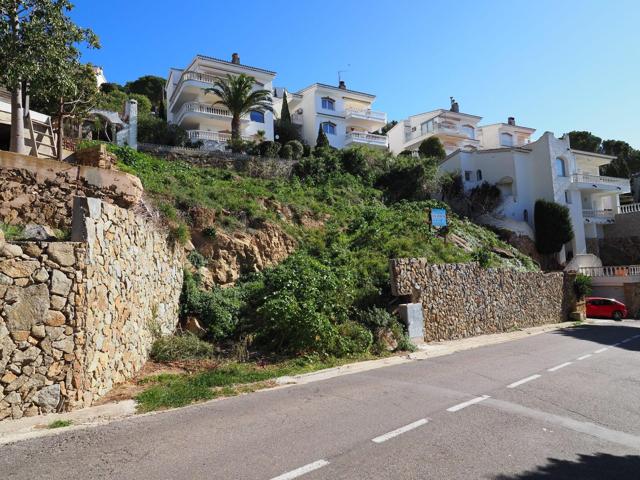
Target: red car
{"type": "Point", "coordinates": [606, 308]}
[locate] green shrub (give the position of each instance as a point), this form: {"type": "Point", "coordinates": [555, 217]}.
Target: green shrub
{"type": "Point", "coordinates": [364, 162]}
{"type": "Point", "coordinates": [297, 149]}
{"type": "Point", "coordinates": [353, 339]}
{"type": "Point", "coordinates": [553, 226]}
{"type": "Point", "coordinates": [180, 234]}
{"type": "Point", "coordinates": [168, 211]}
{"type": "Point", "coordinates": [197, 259]}
{"type": "Point", "coordinates": [409, 178]}
{"type": "Point", "coordinates": [11, 232]}
{"type": "Point", "coordinates": [180, 347]}
{"type": "Point", "coordinates": [286, 131]}
{"type": "Point", "coordinates": [483, 257]}
{"type": "Point", "coordinates": [375, 317]}
{"type": "Point", "coordinates": [583, 285]}
{"type": "Point", "coordinates": [155, 130]}
{"type": "Point", "coordinates": [484, 198]}
{"type": "Point", "coordinates": [286, 152]}
{"type": "Point", "coordinates": [432, 148]}
{"type": "Point", "coordinates": [269, 149]}
{"type": "Point", "coordinates": [209, 232]}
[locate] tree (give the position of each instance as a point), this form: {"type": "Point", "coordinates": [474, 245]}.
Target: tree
{"type": "Point", "coordinates": [585, 141]}
{"type": "Point", "coordinates": [37, 41]}
{"type": "Point", "coordinates": [432, 148]}
{"type": "Point", "coordinates": [235, 93]}
{"type": "Point", "coordinates": [285, 115]}
{"type": "Point", "coordinates": [322, 141]}
{"type": "Point", "coordinates": [150, 86]}
{"type": "Point", "coordinates": [553, 226]}
{"type": "Point", "coordinates": [627, 161]}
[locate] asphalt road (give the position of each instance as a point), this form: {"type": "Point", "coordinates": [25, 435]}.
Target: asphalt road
{"type": "Point", "coordinates": [552, 406]}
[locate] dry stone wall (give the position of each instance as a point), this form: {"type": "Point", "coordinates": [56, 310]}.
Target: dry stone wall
{"type": "Point", "coordinates": [463, 300]}
{"type": "Point", "coordinates": [78, 317]}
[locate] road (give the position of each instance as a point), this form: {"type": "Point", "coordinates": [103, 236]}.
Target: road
{"type": "Point", "coordinates": [564, 404]}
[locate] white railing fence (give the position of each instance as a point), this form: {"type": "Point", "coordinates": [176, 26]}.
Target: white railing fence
{"type": "Point", "coordinates": [364, 112]}
{"type": "Point", "coordinates": [598, 213]}
{"type": "Point", "coordinates": [589, 178]}
{"type": "Point", "coordinates": [632, 208]}
{"type": "Point", "coordinates": [367, 137]}
{"type": "Point", "coordinates": [621, 271]}
{"type": "Point", "coordinates": [195, 135]}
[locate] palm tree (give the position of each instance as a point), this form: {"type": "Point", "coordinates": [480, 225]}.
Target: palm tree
{"type": "Point", "coordinates": [235, 93]}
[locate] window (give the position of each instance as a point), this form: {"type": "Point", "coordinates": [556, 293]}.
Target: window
{"type": "Point", "coordinates": [469, 131]}
{"type": "Point", "coordinates": [560, 168]}
{"type": "Point", "coordinates": [479, 175]}
{"type": "Point", "coordinates": [525, 215]}
{"type": "Point", "coordinates": [506, 140]}
{"type": "Point", "coordinates": [567, 197]}
{"type": "Point", "coordinates": [467, 175]}
{"type": "Point", "coordinates": [328, 103]}
{"type": "Point", "coordinates": [426, 127]}
{"type": "Point", "coordinates": [329, 128]}
{"type": "Point", "coordinates": [257, 116]}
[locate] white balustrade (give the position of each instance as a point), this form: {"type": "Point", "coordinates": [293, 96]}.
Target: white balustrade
{"type": "Point", "coordinates": [369, 114]}
{"type": "Point", "coordinates": [364, 137]}
{"type": "Point", "coordinates": [620, 271]}
{"type": "Point", "coordinates": [633, 208]}
{"type": "Point", "coordinates": [598, 179]}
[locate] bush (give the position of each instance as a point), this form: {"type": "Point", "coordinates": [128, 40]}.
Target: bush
{"type": "Point", "coordinates": [197, 259]}
{"type": "Point", "coordinates": [553, 226]}
{"type": "Point", "coordinates": [180, 234]}
{"type": "Point", "coordinates": [353, 339]}
{"type": "Point", "coordinates": [180, 347]}
{"type": "Point", "coordinates": [409, 178]}
{"type": "Point", "coordinates": [286, 131]}
{"type": "Point", "coordinates": [375, 318]}
{"type": "Point", "coordinates": [269, 149]}
{"type": "Point", "coordinates": [484, 198]}
{"type": "Point", "coordinates": [155, 130]}
{"type": "Point", "coordinates": [583, 285]}
{"type": "Point", "coordinates": [286, 152]}
{"type": "Point", "coordinates": [432, 148]}
{"type": "Point", "coordinates": [483, 257]}
{"type": "Point", "coordinates": [297, 149]}
{"type": "Point", "coordinates": [366, 163]}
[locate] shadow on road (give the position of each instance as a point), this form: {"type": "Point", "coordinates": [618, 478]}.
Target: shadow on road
{"type": "Point", "coordinates": [586, 467]}
{"type": "Point", "coordinates": [605, 335]}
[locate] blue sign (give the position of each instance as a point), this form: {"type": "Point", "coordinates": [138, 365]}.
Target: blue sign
{"type": "Point", "coordinates": [439, 217]}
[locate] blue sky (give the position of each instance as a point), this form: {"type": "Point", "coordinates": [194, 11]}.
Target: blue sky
{"type": "Point", "coordinates": [555, 65]}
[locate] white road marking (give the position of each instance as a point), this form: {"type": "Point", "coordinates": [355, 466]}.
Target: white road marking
{"type": "Point", "coordinates": [602, 350]}
{"type": "Point", "coordinates": [617, 344]}
{"type": "Point", "coordinates": [584, 356]}
{"type": "Point", "coordinates": [298, 472]}
{"type": "Point", "coordinates": [626, 340]}
{"type": "Point", "coordinates": [462, 405]}
{"type": "Point", "coordinates": [635, 336]}
{"type": "Point", "coordinates": [524, 380]}
{"type": "Point", "coordinates": [400, 431]}
{"type": "Point", "coordinates": [558, 367]}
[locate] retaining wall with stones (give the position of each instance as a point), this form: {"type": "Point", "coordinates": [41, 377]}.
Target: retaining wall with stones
{"type": "Point", "coordinates": [78, 317]}
{"type": "Point", "coordinates": [463, 300]}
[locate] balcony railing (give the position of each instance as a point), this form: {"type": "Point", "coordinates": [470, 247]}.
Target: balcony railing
{"type": "Point", "coordinates": [445, 130]}
{"type": "Point", "coordinates": [370, 138]}
{"type": "Point", "coordinates": [596, 180]}
{"type": "Point", "coordinates": [366, 114]}
{"type": "Point", "coordinates": [598, 213]}
{"type": "Point", "coordinates": [204, 109]}
{"type": "Point", "coordinates": [622, 271]}
{"type": "Point", "coordinates": [191, 75]}
{"type": "Point", "coordinates": [633, 208]}
{"type": "Point", "coordinates": [204, 135]}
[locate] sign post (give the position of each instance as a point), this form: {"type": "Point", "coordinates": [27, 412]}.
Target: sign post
{"type": "Point", "coordinates": [438, 220]}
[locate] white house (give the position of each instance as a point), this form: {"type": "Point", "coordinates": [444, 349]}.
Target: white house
{"type": "Point", "coordinates": [346, 116]}
{"type": "Point", "coordinates": [546, 169]}
{"type": "Point", "coordinates": [454, 129]}
{"type": "Point", "coordinates": [190, 107]}
{"type": "Point", "coordinates": [508, 134]}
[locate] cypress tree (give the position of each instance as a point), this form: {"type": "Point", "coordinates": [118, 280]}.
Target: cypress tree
{"type": "Point", "coordinates": [322, 140]}
{"type": "Point", "coordinates": [285, 115]}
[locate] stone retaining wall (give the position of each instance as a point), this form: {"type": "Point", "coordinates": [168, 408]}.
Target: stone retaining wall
{"type": "Point", "coordinates": [253, 166]}
{"type": "Point", "coordinates": [463, 300]}
{"type": "Point", "coordinates": [77, 318]}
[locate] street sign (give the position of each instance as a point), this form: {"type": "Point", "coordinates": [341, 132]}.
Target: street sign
{"type": "Point", "coordinates": [439, 217]}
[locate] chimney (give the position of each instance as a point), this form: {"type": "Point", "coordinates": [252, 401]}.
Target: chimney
{"type": "Point", "coordinates": [342, 85]}
{"type": "Point", "coordinates": [511, 121]}
{"type": "Point", "coordinates": [235, 58]}
{"type": "Point", "coordinates": [454, 105]}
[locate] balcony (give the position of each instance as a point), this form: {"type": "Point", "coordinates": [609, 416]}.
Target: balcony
{"type": "Point", "coordinates": [193, 77]}
{"type": "Point", "coordinates": [632, 208]}
{"type": "Point", "coordinates": [443, 131]}
{"type": "Point", "coordinates": [215, 113]}
{"type": "Point", "coordinates": [622, 271]}
{"type": "Point", "coordinates": [598, 182]}
{"type": "Point", "coordinates": [206, 135]}
{"type": "Point", "coordinates": [598, 216]}
{"type": "Point", "coordinates": [365, 115]}
{"type": "Point", "coordinates": [362, 138]}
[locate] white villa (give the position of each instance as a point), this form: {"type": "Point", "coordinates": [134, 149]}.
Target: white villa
{"type": "Point", "coordinates": [192, 109]}
{"type": "Point", "coordinates": [346, 116]}
{"type": "Point", "coordinates": [546, 169]}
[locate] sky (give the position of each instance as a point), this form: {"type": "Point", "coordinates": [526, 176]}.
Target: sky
{"type": "Point", "coordinates": [554, 65]}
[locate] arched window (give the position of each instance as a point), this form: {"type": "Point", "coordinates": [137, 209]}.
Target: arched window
{"type": "Point", "coordinates": [328, 103]}
{"type": "Point", "coordinates": [479, 175]}
{"type": "Point", "coordinates": [469, 131]}
{"type": "Point", "coordinates": [561, 170]}
{"type": "Point", "coordinates": [257, 116]}
{"type": "Point", "coordinates": [329, 128]}
{"type": "Point", "coordinates": [506, 140]}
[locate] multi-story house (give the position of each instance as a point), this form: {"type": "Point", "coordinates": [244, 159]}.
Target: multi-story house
{"type": "Point", "coordinates": [346, 116]}
{"type": "Point", "coordinates": [454, 129]}
{"type": "Point", "coordinates": [546, 169]}
{"type": "Point", "coordinates": [189, 106]}
{"type": "Point", "coordinates": [508, 134]}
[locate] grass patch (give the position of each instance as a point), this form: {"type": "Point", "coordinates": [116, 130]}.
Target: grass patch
{"type": "Point", "coordinates": [60, 424]}
{"type": "Point", "coordinates": [229, 379]}
{"type": "Point", "coordinates": [11, 232]}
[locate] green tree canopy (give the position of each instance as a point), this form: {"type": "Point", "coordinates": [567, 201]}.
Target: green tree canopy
{"type": "Point", "coordinates": [285, 115]}
{"type": "Point", "coordinates": [432, 148]}
{"type": "Point", "coordinates": [150, 86]}
{"type": "Point", "coordinates": [553, 226]}
{"type": "Point", "coordinates": [586, 141]}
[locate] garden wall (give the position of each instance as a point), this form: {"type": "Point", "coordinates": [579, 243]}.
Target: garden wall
{"type": "Point", "coordinates": [463, 300]}
{"type": "Point", "coordinates": [78, 317]}
{"type": "Point", "coordinates": [253, 166]}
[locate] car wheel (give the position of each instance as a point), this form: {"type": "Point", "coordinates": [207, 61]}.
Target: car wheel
{"type": "Point", "coordinates": [617, 315]}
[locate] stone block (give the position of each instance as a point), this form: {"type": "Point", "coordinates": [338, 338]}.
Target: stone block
{"type": "Point", "coordinates": [29, 307]}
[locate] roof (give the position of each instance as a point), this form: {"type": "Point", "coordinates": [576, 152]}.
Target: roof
{"type": "Point", "coordinates": [226, 62]}
{"type": "Point", "coordinates": [594, 154]}
{"type": "Point", "coordinates": [332, 87]}
{"type": "Point", "coordinates": [508, 125]}
{"type": "Point", "coordinates": [440, 111]}
{"type": "Point", "coordinates": [488, 150]}
{"type": "Point", "coordinates": [112, 117]}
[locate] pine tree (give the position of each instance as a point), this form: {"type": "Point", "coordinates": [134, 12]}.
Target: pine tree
{"type": "Point", "coordinates": [322, 140]}
{"type": "Point", "coordinates": [285, 115]}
